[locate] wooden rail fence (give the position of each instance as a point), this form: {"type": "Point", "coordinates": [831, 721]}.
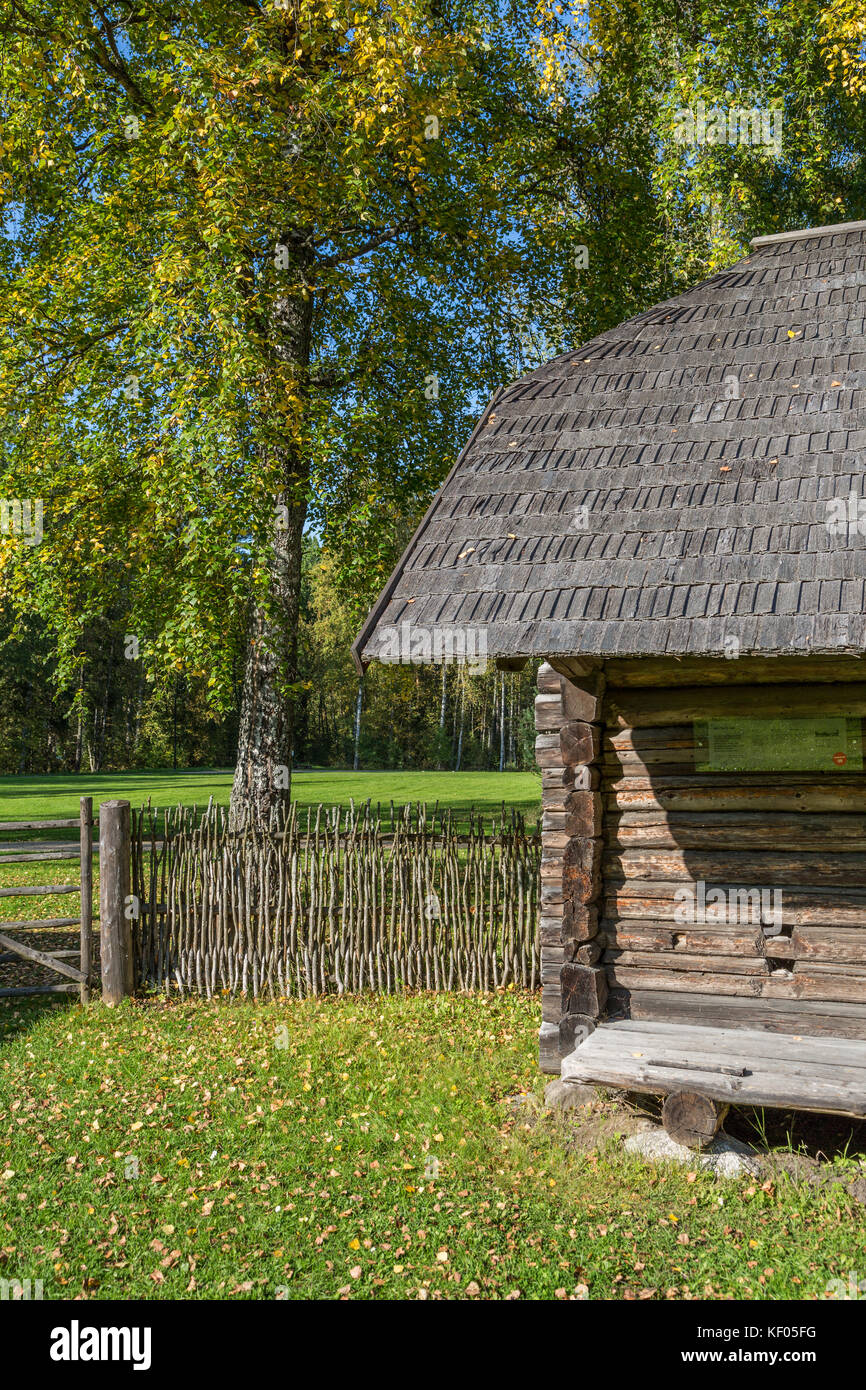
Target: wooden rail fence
{"type": "Point", "coordinates": [333, 900]}
{"type": "Point", "coordinates": [76, 979]}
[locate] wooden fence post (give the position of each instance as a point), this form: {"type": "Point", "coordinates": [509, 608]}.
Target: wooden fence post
{"type": "Point", "coordinates": [86, 895]}
{"type": "Point", "coordinates": [115, 928]}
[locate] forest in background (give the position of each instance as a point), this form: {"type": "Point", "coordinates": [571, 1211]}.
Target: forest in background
{"type": "Point", "coordinates": [116, 719]}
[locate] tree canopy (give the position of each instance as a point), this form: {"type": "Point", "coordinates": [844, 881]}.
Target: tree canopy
{"type": "Point", "coordinates": [259, 267]}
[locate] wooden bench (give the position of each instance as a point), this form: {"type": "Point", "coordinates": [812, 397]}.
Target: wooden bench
{"type": "Point", "coordinates": [704, 1070]}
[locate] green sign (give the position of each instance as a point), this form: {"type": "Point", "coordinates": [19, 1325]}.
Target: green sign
{"type": "Point", "coordinates": [779, 745]}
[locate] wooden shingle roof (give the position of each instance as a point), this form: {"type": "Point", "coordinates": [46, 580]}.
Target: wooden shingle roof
{"type": "Point", "coordinates": [668, 486]}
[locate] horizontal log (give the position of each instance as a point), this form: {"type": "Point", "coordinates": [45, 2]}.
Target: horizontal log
{"type": "Point", "coordinates": [547, 680]}
{"type": "Point", "coordinates": [74, 824]}
{"type": "Point", "coordinates": [636, 775]}
{"type": "Point", "coordinates": [548, 713]}
{"type": "Point", "coordinates": [552, 961]}
{"type": "Point", "coordinates": [554, 799]}
{"type": "Point", "coordinates": [550, 935]}
{"type": "Point", "coordinates": [728, 941]}
{"type": "Point", "coordinates": [813, 986]}
{"type": "Point", "coordinates": [812, 983]}
{"type": "Point", "coordinates": [688, 1060]}
{"type": "Point", "coordinates": [550, 870]}
{"type": "Point", "coordinates": [21, 991]}
{"type": "Point", "coordinates": [664, 763]}
{"type": "Point", "coordinates": [827, 907]}
{"type": "Point", "coordinates": [36, 892]}
{"type": "Point", "coordinates": [551, 1003]}
{"type": "Point", "coordinates": [581, 815]}
{"type": "Point", "coordinates": [766, 868]}
{"type": "Point", "coordinates": [735, 829]}
{"type": "Point", "coordinates": [635, 709]}
{"type": "Point", "coordinates": [641, 672]}
{"type": "Point", "coordinates": [647, 740]}
{"type": "Point", "coordinates": [548, 752]}
{"type": "Point", "coordinates": [43, 923]}
{"type": "Point", "coordinates": [552, 914]}
{"type": "Point", "coordinates": [548, 1049]}
{"type": "Point", "coordinates": [692, 981]}
{"type": "Point", "coordinates": [722, 792]}
{"type": "Point", "coordinates": [680, 960]}
{"type": "Point", "coordinates": [770, 1015]}
{"type": "Point", "coordinates": [648, 762]}
{"type": "Point", "coordinates": [14, 957]}
{"type": "Point", "coordinates": [824, 1054]}
{"type": "Point", "coordinates": [553, 842]}
{"type": "Point", "coordinates": [851, 971]}
{"type": "Point", "coordinates": [637, 935]}
{"type": "Point", "coordinates": [557, 777]}
{"type": "Point", "coordinates": [54, 854]}
{"type": "Point", "coordinates": [845, 945]}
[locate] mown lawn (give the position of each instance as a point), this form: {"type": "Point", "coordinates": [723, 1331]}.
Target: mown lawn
{"type": "Point", "coordinates": [356, 1148]}
{"type": "Point", "coordinates": [38, 798]}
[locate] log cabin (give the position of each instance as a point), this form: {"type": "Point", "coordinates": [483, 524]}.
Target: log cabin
{"type": "Point", "coordinates": [672, 519]}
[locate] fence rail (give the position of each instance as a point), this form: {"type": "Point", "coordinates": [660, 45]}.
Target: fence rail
{"type": "Point", "coordinates": [14, 951]}
{"type": "Point", "coordinates": [333, 900]}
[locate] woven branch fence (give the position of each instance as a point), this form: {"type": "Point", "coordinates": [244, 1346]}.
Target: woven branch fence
{"type": "Point", "coordinates": [334, 900]}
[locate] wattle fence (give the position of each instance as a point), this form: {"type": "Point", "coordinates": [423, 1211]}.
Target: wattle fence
{"type": "Point", "coordinates": [333, 901]}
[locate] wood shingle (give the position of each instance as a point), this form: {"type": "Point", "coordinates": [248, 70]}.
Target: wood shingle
{"type": "Point", "coordinates": [670, 484]}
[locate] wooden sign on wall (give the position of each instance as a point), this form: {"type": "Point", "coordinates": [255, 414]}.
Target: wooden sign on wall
{"type": "Point", "coordinates": [834, 744]}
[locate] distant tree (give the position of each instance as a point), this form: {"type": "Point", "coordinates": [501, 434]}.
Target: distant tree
{"type": "Point", "coordinates": [674, 203]}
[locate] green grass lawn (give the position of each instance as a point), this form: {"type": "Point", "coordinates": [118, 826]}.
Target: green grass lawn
{"type": "Point", "coordinates": [40, 798]}
{"type": "Point", "coordinates": [356, 1148]}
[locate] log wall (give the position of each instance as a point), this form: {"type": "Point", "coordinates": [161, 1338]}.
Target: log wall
{"type": "Point", "coordinates": [568, 751]}
{"type": "Point", "coordinates": [798, 836]}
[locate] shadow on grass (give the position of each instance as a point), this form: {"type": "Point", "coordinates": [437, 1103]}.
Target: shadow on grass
{"type": "Point", "coordinates": [20, 1015]}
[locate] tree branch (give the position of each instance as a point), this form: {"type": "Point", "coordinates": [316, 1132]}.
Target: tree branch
{"type": "Point", "coordinates": [371, 245]}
